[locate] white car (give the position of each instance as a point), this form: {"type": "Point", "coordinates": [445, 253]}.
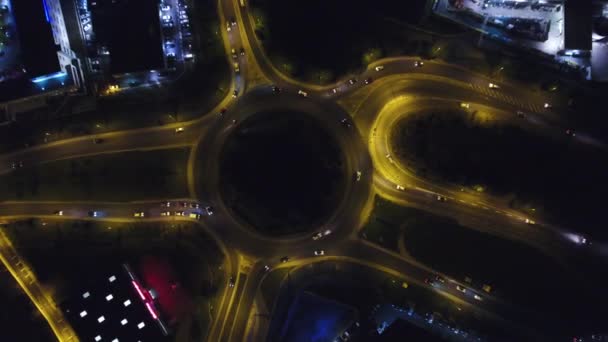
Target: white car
{"type": "Point", "coordinates": [477, 297]}
{"type": "Point", "coordinates": [319, 235]}
{"type": "Point", "coordinates": [379, 68]}
{"type": "Point", "coordinates": [418, 64]}
{"type": "Point", "coordinates": [179, 129]}
{"type": "Point", "coordinates": [359, 175]}
{"type": "Point", "coordinates": [493, 86]}
{"type": "Point", "coordinates": [319, 252]}
{"type": "Point", "coordinates": [302, 93]}
{"type": "Point", "coordinates": [399, 187]}
{"type": "Point", "coordinates": [165, 213]}
{"type": "Point", "coordinates": [461, 289]}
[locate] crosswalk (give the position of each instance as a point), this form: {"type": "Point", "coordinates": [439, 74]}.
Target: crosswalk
{"type": "Point", "coordinates": [497, 94]}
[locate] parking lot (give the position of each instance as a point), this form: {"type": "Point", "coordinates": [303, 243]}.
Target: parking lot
{"type": "Point", "coordinates": [162, 35]}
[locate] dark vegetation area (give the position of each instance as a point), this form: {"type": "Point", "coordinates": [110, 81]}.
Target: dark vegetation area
{"type": "Point", "coordinates": [515, 271]}
{"type": "Point", "coordinates": [20, 320]}
{"type": "Point", "coordinates": [112, 177]}
{"type": "Point", "coordinates": [560, 178]}
{"type": "Point", "coordinates": [282, 173]}
{"type": "Point", "coordinates": [322, 40]}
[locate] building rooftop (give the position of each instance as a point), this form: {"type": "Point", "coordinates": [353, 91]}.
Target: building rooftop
{"type": "Point", "coordinates": [577, 25]}
{"type": "Point", "coordinates": [108, 308]}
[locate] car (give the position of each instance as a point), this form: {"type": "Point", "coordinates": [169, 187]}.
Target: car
{"type": "Point", "coordinates": [334, 90]}
{"type": "Point", "coordinates": [165, 7]}
{"type": "Point", "coordinates": [319, 235]}
{"type": "Point", "coordinates": [441, 198]}
{"type": "Point", "coordinates": [284, 259]}
{"type": "Point", "coordinates": [195, 216]}
{"type": "Point", "coordinates": [379, 68]}
{"type": "Point", "coordinates": [209, 210]}
{"type": "Point", "coordinates": [228, 28]}
{"type": "Point", "coordinates": [276, 89]}
{"type": "Point", "coordinates": [530, 222]}
{"type": "Point", "coordinates": [232, 21]}
{"type": "Point", "coordinates": [139, 214]}
{"type": "Point", "coordinates": [17, 165]}
{"type": "Point", "coordinates": [166, 204]}
{"type": "Point", "coordinates": [233, 53]}
{"type": "Point", "coordinates": [231, 281]}
{"type": "Point", "coordinates": [369, 80]}
{"type": "Point", "coordinates": [439, 279]}
{"type": "Point", "coordinates": [168, 24]}
{"type": "Point", "coordinates": [178, 213]}
{"type": "Point", "coordinates": [418, 64]}
{"type": "Point", "coordinates": [266, 268]}
{"type": "Point", "coordinates": [352, 81]}
{"type": "Point", "coordinates": [165, 213]}
{"type": "Point", "coordinates": [493, 85]}
{"type": "Point", "coordinates": [400, 187]}
{"type": "Point", "coordinates": [547, 105]}
{"type": "Point", "coordinates": [319, 252]}
{"type": "Point", "coordinates": [520, 114]}
{"type": "Point", "coordinates": [97, 141]}
{"type": "Point", "coordinates": [179, 129]}
{"type": "Point", "coordinates": [222, 112]}
{"type": "Point", "coordinates": [195, 205]}
{"type": "Point", "coordinates": [58, 213]}
{"type": "Point", "coordinates": [461, 289]}
{"type": "Point", "coordinates": [170, 54]}
{"type": "Point", "coordinates": [477, 297]}
{"type": "Point", "coordinates": [464, 105]}
{"type": "Point", "coordinates": [170, 44]}
{"type": "Point", "coordinates": [570, 132]}
{"type": "Point", "coordinates": [345, 123]}
{"type": "Point", "coordinates": [302, 93]}
{"type": "Point", "coordinates": [184, 204]}
{"type": "Point", "coordinates": [167, 18]}
{"type": "Point", "coordinates": [236, 67]}
{"type": "Point", "coordinates": [235, 93]}
{"type": "Point", "coordinates": [94, 213]}
{"type": "Point", "coordinates": [234, 121]}
{"type": "Point", "coordinates": [358, 175]}
{"type": "Point", "coordinates": [242, 51]}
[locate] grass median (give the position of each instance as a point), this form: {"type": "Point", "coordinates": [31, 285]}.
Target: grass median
{"type": "Point", "coordinates": [113, 177]}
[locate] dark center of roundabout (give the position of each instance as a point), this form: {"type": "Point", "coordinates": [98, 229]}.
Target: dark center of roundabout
{"type": "Point", "coordinates": [282, 173]}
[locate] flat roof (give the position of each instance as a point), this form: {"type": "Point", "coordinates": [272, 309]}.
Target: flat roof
{"type": "Point", "coordinates": [131, 31]}
{"type": "Point", "coordinates": [577, 24]}
{"type": "Point", "coordinates": [107, 307]}
{"type": "Point", "coordinates": [38, 49]}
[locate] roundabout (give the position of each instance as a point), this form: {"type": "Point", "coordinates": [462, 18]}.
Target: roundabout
{"type": "Point", "coordinates": [274, 130]}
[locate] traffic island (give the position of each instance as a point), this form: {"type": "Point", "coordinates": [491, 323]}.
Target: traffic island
{"type": "Point", "coordinates": [281, 172]}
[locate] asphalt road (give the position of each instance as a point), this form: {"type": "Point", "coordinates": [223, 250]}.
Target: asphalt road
{"type": "Point", "coordinates": [373, 109]}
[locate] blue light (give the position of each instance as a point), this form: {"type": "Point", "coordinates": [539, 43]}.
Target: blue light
{"type": "Point", "coordinates": [44, 78]}
{"type": "Point", "coordinates": [46, 11]}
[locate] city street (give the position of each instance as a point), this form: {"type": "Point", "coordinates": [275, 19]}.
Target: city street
{"type": "Point", "coordinates": [400, 88]}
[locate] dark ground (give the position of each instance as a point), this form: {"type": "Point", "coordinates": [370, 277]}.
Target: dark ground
{"type": "Point", "coordinates": [282, 172]}
{"type": "Point", "coordinates": [331, 36]}
{"type": "Point", "coordinates": [516, 272]}
{"type": "Point", "coordinates": [562, 179]}
{"type": "Point", "coordinates": [20, 321]}
{"type": "Point", "coordinates": [110, 177]}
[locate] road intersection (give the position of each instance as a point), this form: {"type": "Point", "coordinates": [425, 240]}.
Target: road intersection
{"type": "Point", "coordinates": [400, 88]}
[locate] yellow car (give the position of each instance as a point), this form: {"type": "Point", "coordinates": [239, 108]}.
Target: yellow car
{"type": "Point", "coordinates": [464, 105]}
{"type": "Point", "coordinates": [165, 213]}
{"type": "Point", "coordinates": [139, 214]}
